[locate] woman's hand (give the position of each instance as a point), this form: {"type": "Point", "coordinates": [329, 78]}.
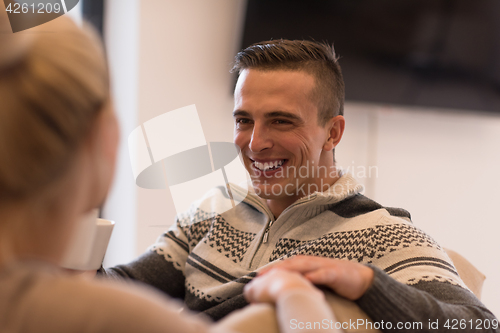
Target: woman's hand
{"type": "Point", "coordinates": [268, 287]}
{"type": "Point", "coordinates": [346, 278]}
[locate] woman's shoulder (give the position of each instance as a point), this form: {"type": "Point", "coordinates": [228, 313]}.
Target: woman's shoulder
{"type": "Point", "coordinates": [39, 297]}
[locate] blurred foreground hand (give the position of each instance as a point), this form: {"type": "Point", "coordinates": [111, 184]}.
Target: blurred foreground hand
{"type": "Point", "coordinates": [269, 287]}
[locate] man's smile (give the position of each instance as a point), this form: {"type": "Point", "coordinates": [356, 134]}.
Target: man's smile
{"type": "Point", "coordinates": [269, 165]}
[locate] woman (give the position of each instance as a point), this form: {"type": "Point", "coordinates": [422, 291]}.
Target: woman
{"type": "Point", "coordinates": [58, 140]}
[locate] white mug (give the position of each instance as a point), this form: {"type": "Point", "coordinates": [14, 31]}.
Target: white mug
{"type": "Point", "coordinates": [89, 243]}
{"type": "Point", "coordinates": [100, 244]}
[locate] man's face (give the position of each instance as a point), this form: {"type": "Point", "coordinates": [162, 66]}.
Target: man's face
{"type": "Point", "coordinates": [276, 128]}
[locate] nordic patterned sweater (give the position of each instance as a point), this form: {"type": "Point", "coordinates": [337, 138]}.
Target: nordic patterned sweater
{"type": "Point", "coordinates": [206, 259]}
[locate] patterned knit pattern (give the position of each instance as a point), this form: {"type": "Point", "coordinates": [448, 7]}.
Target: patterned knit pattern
{"type": "Point", "coordinates": [218, 234]}
{"type": "Point", "coordinates": [219, 255]}
{"type": "Point", "coordinates": [360, 245]}
{"type": "Point", "coordinates": [230, 242]}
{"type": "Point", "coordinates": [195, 232]}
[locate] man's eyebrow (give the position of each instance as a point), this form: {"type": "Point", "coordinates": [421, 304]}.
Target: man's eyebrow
{"type": "Point", "coordinates": [240, 113]}
{"type": "Point", "coordinates": [274, 114]}
{"type": "Point", "coordinates": [284, 114]}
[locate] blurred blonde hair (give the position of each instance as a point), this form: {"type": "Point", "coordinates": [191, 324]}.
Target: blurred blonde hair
{"type": "Point", "coordinates": [53, 83]}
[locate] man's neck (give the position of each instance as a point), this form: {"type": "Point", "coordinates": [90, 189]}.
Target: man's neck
{"type": "Point", "coordinates": [277, 206]}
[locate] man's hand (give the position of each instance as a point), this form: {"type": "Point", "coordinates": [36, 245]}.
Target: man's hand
{"type": "Point", "coordinates": [346, 278]}
{"type": "Point", "coordinates": [269, 287]}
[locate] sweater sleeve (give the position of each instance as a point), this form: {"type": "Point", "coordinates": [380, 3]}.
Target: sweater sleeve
{"type": "Point", "coordinates": [162, 266]}
{"type": "Point", "coordinates": [222, 309]}
{"type": "Point", "coordinates": [429, 306]}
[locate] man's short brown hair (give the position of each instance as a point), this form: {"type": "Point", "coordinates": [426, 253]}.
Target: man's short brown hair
{"type": "Point", "coordinates": [316, 59]}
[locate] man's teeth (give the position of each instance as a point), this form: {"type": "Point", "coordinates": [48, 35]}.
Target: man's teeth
{"type": "Point", "coordinates": [268, 165]}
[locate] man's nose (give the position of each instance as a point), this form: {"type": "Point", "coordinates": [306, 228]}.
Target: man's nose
{"type": "Point", "coordinates": [261, 139]}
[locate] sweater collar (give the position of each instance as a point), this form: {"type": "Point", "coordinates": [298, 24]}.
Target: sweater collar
{"type": "Point", "coordinates": [345, 187]}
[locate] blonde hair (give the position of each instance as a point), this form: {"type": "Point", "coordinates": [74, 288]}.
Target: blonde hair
{"type": "Point", "coordinates": [53, 84]}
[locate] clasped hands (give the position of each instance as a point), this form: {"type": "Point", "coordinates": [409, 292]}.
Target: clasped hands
{"type": "Point", "coordinates": [346, 278]}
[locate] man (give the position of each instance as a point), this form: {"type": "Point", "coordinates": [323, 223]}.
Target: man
{"type": "Point", "coordinates": [288, 121]}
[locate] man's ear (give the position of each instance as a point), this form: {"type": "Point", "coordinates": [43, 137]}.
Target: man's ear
{"type": "Point", "coordinates": [335, 130]}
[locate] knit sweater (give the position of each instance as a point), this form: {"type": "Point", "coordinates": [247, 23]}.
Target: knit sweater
{"type": "Point", "coordinates": [206, 258]}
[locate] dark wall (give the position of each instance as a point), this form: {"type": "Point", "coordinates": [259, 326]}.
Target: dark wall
{"type": "Point", "coordinates": [440, 53]}
{"type": "Point", "coordinates": [93, 12]}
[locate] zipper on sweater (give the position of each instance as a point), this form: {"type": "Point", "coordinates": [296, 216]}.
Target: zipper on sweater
{"type": "Point", "coordinates": [266, 236]}
{"type": "Point", "coordinates": [266, 233]}
{"type": "Point", "coordinates": [265, 209]}
{"type": "Point", "coordinates": [265, 239]}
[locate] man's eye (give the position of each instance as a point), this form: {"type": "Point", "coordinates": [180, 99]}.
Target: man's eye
{"type": "Point", "coordinates": [282, 122]}
{"type": "Point", "coordinates": [242, 121]}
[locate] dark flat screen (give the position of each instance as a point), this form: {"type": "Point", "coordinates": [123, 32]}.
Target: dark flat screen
{"type": "Point", "coordinates": [433, 53]}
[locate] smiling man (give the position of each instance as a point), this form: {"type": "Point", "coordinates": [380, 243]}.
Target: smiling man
{"type": "Point", "coordinates": [288, 115]}
{"type": "Point", "coordinates": [287, 147]}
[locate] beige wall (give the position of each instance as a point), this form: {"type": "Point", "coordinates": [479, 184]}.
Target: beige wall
{"type": "Point", "coordinates": [186, 53]}
{"type": "Point", "coordinates": [441, 165]}
{"type": "Point", "coordinates": [165, 54]}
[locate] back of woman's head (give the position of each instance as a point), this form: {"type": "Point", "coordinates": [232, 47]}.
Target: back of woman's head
{"type": "Point", "coordinates": [53, 84]}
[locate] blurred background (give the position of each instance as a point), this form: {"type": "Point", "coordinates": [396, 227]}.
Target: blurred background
{"type": "Point", "coordinates": [423, 102]}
